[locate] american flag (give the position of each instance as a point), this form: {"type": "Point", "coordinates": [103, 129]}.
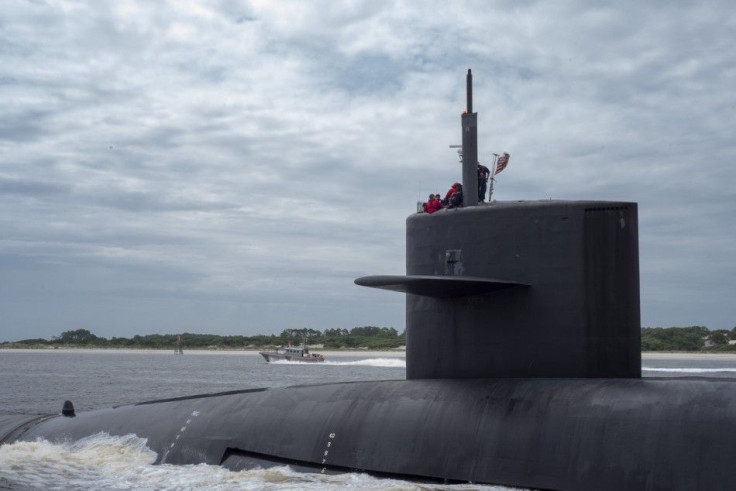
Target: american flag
{"type": "Point", "coordinates": [503, 161]}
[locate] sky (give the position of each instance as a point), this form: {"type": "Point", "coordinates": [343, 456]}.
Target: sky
{"type": "Point", "coordinates": [230, 167]}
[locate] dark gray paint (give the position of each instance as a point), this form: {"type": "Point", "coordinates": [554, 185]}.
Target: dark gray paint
{"type": "Point", "coordinates": [469, 128]}
{"type": "Point", "coordinates": [438, 286]}
{"type": "Point", "coordinates": [540, 433]}
{"type": "Point", "coordinates": [579, 316]}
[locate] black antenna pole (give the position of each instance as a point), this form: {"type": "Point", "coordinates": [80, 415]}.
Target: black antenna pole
{"type": "Point", "coordinates": [469, 124]}
{"type": "Point", "coordinates": [469, 91]}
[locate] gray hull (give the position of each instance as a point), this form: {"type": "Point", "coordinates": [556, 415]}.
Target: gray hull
{"type": "Point", "coordinates": [540, 433]}
{"type": "Point", "coordinates": [270, 356]}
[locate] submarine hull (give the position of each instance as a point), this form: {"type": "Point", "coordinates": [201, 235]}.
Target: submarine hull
{"type": "Point", "coordinates": [539, 433]}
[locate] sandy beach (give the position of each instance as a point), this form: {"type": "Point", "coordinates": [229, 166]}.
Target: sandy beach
{"type": "Point", "coordinates": [168, 352]}
{"type": "Point", "coordinates": [683, 355]}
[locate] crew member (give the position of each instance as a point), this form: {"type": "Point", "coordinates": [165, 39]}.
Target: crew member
{"type": "Point", "coordinates": [433, 204]}
{"type": "Point", "coordinates": [483, 173]}
{"type": "Point", "coordinates": [454, 197]}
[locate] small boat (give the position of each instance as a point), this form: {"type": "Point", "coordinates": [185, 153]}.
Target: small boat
{"type": "Point", "coordinates": [300, 354]}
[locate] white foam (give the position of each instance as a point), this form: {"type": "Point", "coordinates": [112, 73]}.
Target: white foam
{"type": "Point", "coordinates": [688, 370]}
{"type": "Point", "coordinates": [96, 461]}
{"type": "Point", "coordinates": [372, 362]}
{"type": "Point", "coordinates": [111, 462]}
{"type": "Point", "coordinates": [369, 362]}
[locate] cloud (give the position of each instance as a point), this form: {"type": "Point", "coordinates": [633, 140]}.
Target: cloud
{"type": "Point", "coordinates": [230, 167]}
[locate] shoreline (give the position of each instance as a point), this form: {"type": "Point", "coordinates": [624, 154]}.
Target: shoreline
{"type": "Point", "coordinates": [198, 352]}
{"type": "Point", "coordinates": [687, 355]}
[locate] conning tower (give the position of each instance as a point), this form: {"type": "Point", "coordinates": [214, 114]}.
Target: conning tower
{"type": "Point", "coordinates": [520, 289]}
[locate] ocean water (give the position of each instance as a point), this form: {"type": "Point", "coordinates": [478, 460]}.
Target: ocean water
{"type": "Point", "coordinates": [689, 365]}
{"type": "Point", "coordinates": [39, 381]}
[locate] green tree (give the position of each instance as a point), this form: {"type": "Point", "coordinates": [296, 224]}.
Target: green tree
{"type": "Point", "coordinates": [298, 336]}
{"type": "Point", "coordinates": [80, 336]}
{"type": "Point", "coordinates": [732, 333]}
{"type": "Point", "coordinates": [336, 333]}
{"type": "Point", "coordinates": [719, 337]}
{"type": "Point", "coordinates": [674, 338]}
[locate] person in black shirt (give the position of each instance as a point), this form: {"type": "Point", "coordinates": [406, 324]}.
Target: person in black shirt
{"type": "Point", "coordinates": [483, 174]}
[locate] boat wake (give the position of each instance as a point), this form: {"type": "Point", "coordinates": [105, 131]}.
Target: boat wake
{"type": "Point", "coordinates": [369, 362]}
{"type": "Point", "coordinates": [689, 370]}
{"type": "Point", "coordinates": [125, 462]}
{"type": "Point", "coordinates": [373, 362]}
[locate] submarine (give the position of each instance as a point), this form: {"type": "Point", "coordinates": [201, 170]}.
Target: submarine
{"type": "Point", "coordinates": [523, 369]}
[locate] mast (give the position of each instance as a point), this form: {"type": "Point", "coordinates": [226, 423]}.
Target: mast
{"type": "Point", "coordinates": [469, 123]}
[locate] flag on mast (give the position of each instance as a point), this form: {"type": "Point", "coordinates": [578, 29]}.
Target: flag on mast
{"type": "Point", "coordinates": [503, 161]}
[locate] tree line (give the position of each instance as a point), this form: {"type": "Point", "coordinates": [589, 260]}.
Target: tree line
{"type": "Point", "coordinates": [693, 338]}
{"type": "Point", "coordinates": [370, 337]}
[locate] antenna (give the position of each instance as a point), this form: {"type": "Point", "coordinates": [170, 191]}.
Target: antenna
{"type": "Point", "coordinates": [469, 126]}
{"type": "Point", "coordinates": [469, 91]}
{"type": "Point", "coordinates": [459, 151]}
{"type": "Point", "coordinates": [493, 178]}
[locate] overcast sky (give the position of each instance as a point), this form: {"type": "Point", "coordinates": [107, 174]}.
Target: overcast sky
{"type": "Point", "coordinates": [230, 167]}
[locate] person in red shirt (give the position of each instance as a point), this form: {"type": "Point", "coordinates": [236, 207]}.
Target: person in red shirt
{"type": "Point", "coordinates": [426, 205]}
{"type": "Point", "coordinates": [433, 204]}
{"type": "Point", "coordinates": [454, 197]}
{"type": "Point", "coordinates": [450, 192]}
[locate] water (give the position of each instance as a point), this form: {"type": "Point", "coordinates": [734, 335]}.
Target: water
{"type": "Point", "coordinates": [38, 382]}
{"type": "Point", "coordinates": [689, 365]}
{"type": "Point", "coordinates": [104, 462]}
{"type": "Point", "coordinates": [41, 380]}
